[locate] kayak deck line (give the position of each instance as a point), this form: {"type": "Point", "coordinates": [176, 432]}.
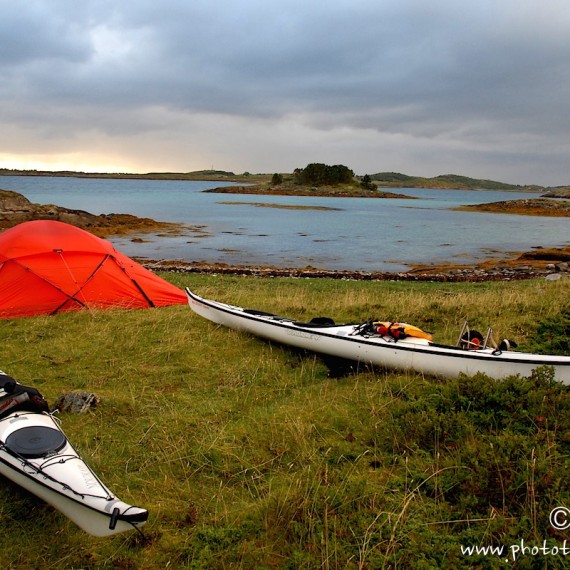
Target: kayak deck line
{"type": "Point", "coordinates": [51, 459]}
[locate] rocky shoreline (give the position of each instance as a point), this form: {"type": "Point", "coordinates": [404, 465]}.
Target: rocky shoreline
{"type": "Point", "coordinates": [290, 189]}
{"type": "Point", "coordinates": [528, 207]}
{"type": "Point", "coordinates": [16, 208]}
{"type": "Point", "coordinates": [526, 266]}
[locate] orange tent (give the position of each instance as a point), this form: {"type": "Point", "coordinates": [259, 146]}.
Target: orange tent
{"type": "Point", "coordinates": [47, 267]}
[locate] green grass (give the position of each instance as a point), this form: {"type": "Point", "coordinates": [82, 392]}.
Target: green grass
{"type": "Point", "coordinates": [250, 455]}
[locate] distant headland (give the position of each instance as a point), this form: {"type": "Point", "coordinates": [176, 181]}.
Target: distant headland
{"type": "Point", "coordinates": [378, 180]}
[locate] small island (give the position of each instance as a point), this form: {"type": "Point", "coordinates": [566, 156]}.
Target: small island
{"type": "Point", "coordinates": [315, 179]}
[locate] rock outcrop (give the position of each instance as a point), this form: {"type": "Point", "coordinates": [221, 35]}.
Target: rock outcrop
{"type": "Point", "coordinates": [16, 208]}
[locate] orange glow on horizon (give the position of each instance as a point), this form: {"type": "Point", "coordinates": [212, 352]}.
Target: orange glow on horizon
{"type": "Point", "coordinates": [64, 163]}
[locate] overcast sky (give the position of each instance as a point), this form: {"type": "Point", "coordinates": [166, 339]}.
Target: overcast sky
{"type": "Point", "coordinates": [473, 87]}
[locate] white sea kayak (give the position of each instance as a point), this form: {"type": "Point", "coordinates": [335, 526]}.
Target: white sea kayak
{"type": "Point", "coordinates": [363, 343]}
{"type": "Point", "coordinates": [36, 455]}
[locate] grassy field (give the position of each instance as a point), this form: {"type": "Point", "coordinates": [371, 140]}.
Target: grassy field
{"type": "Point", "coordinates": [250, 455]}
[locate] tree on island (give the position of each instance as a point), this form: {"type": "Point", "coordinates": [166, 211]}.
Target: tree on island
{"type": "Point", "coordinates": [367, 183]}
{"type": "Point", "coordinates": [318, 174]}
{"type": "Point", "coordinates": [276, 179]}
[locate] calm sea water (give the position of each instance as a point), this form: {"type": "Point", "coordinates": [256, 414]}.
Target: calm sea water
{"type": "Point", "coordinates": [358, 234]}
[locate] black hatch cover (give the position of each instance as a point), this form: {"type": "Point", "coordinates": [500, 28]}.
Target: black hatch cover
{"type": "Point", "coordinates": [35, 441]}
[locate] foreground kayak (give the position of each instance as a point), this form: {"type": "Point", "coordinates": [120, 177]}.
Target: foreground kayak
{"type": "Point", "coordinates": [36, 454]}
{"type": "Point", "coordinates": [363, 343]}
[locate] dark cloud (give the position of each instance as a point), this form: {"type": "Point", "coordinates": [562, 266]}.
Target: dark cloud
{"type": "Point", "coordinates": [483, 84]}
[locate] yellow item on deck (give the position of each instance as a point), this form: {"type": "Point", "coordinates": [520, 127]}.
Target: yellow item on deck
{"type": "Point", "coordinates": [400, 330]}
